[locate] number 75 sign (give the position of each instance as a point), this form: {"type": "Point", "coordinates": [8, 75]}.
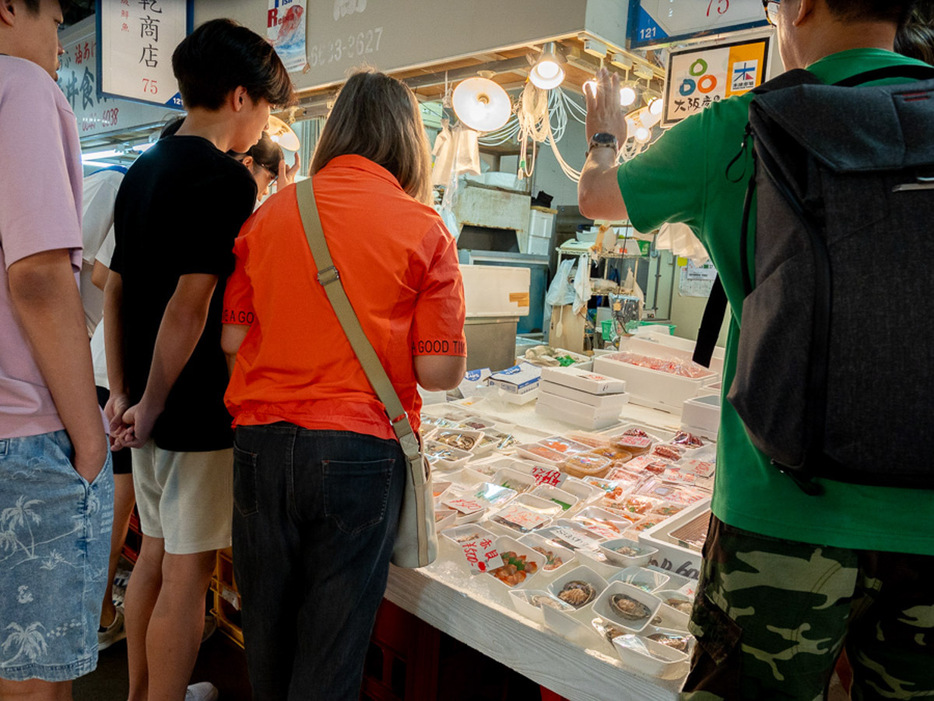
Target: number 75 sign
{"type": "Point", "coordinates": [136, 39]}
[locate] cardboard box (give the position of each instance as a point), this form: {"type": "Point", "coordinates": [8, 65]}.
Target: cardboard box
{"type": "Point", "coordinates": [601, 402]}
{"type": "Point", "coordinates": [574, 413]}
{"type": "Point", "coordinates": [583, 380]}
{"type": "Point", "coordinates": [518, 379]}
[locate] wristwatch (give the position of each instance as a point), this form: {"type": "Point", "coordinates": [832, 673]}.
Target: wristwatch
{"type": "Point", "coordinates": [603, 139]}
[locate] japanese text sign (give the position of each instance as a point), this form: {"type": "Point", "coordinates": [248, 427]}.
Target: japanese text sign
{"type": "Point", "coordinates": [699, 77]}
{"type": "Point", "coordinates": [136, 41]}
{"type": "Point", "coordinates": [481, 554]}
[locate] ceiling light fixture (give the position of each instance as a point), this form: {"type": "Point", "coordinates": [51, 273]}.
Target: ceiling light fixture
{"type": "Point", "coordinates": [481, 104]}
{"type": "Point", "coordinates": [547, 73]}
{"type": "Point", "coordinates": [282, 134]}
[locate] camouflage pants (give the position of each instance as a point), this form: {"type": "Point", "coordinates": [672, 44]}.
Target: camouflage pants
{"type": "Point", "coordinates": [772, 616]}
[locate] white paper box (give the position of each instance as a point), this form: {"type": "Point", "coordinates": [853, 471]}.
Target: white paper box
{"type": "Point", "coordinates": [518, 379]}
{"type": "Point", "coordinates": [600, 402]}
{"type": "Point", "coordinates": [575, 413]}
{"type": "Point", "coordinates": [583, 380]}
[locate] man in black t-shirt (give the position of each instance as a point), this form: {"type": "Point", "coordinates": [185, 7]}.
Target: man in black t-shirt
{"type": "Point", "coordinates": [177, 214]}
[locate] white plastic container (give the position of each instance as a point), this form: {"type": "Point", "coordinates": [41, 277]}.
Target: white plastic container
{"type": "Point", "coordinates": [603, 607]}
{"type": "Point", "coordinates": [701, 415]}
{"type": "Point", "coordinates": [528, 603]}
{"type": "Point", "coordinates": [653, 388]}
{"type": "Point", "coordinates": [641, 578]}
{"type": "Point", "coordinates": [580, 573]}
{"type": "Point", "coordinates": [658, 659]}
{"type": "Point", "coordinates": [600, 402]}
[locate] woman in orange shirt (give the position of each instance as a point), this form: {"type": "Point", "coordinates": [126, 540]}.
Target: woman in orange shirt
{"type": "Point", "coordinates": [318, 474]}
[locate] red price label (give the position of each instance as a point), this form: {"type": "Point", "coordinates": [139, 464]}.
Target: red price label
{"type": "Point", "coordinates": [544, 475]}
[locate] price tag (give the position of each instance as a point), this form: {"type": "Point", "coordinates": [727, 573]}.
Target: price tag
{"type": "Point", "coordinates": [481, 554]}
{"type": "Point", "coordinates": [464, 505]}
{"type": "Point", "coordinates": [546, 475]}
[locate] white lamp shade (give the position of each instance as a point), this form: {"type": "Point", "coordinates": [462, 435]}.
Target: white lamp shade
{"type": "Point", "coordinates": [282, 134]}
{"type": "Point", "coordinates": [627, 95]}
{"type": "Point", "coordinates": [481, 104]}
{"type": "Point", "coordinates": [546, 74]}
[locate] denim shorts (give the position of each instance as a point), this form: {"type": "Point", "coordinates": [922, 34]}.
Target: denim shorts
{"type": "Point", "coordinates": [54, 546]}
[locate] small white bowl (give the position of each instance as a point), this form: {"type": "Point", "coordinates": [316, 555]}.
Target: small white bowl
{"type": "Point", "coordinates": [673, 619]}
{"type": "Point", "coordinates": [514, 479]}
{"type": "Point", "coordinates": [570, 628]}
{"type": "Point", "coordinates": [677, 600]}
{"type": "Point", "coordinates": [645, 553]}
{"type": "Point", "coordinates": [523, 600]}
{"type": "Point", "coordinates": [444, 518]}
{"type": "Point", "coordinates": [469, 439]}
{"type": "Point", "coordinates": [603, 607]}
{"type": "Point", "coordinates": [580, 573]}
{"type": "Point", "coordinates": [689, 639]}
{"type": "Point", "coordinates": [598, 562]}
{"type": "Point", "coordinates": [585, 493]}
{"type": "Point", "coordinates": [507, 544]}
{"type": "Point", "coordinates": [650, 657]}
{"type": "Point", "coordinates": [565, 500]}
{"type": "Point", "coordinates": [641, 578]}
{"type": "Point", "coordinates": [456, 461]}
{"type": "Point", "coordinates": [534, 540]}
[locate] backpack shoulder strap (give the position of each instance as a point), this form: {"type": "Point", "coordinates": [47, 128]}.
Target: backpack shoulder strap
{"type": "Point", "coordinates": [911, 72]}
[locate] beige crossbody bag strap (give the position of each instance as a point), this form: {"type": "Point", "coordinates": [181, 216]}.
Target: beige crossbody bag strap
{"type": "Point", "coordinates": [329, 278]}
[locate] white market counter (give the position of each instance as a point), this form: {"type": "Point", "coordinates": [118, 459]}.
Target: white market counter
{"type": "Point", "coordinates": [477, 612]}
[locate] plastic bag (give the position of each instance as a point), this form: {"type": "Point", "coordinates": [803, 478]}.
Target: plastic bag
{"type": "Point", "coordinates": [560, 292]}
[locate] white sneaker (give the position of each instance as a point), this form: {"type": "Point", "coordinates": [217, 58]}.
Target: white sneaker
{"type": "Point", "coordinates": [202, 691]}
{"type": "Point", "coordinates": [113, 633]}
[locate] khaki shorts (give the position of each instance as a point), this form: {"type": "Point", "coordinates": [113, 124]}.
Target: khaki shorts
{"type": "Point", "coordinates": [186, 499]}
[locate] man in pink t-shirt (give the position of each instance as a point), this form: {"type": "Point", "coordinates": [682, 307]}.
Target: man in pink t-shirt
{"type": "Point", "coordinates": [56, 483]}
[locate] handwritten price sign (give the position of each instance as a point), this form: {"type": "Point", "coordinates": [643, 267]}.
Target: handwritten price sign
{"type": "Point", "coordinates": [482, 555]}
{"type": "Point", "coordinates": [545, 475]}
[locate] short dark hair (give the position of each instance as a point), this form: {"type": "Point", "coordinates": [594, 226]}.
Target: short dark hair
{"type": "Point", "coordinates": [266, 153]}
{"type": "Point", "coordinates": [377, 117]}
{"type": "Point", "coordinates": [895, 11]}
{"type": "Point", "coordinates": [220, 56]}
{"type": "Point", "coordinates": [33, 5]}
{"type": "Point", "coordinates": [916, 37]}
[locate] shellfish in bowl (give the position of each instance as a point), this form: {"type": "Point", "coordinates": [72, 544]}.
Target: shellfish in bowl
{"type": "Point", "coordinates": [577, 593]}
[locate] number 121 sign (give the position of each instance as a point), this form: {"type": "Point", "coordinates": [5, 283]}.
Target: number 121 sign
{"type": "Point", "coordinates": [659, 22]}
{"type": "Point", "coordinates": [136, 39]}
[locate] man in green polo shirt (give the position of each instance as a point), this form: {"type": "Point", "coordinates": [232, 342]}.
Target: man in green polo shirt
{"type": "Point", "coordinates": [788, 579]}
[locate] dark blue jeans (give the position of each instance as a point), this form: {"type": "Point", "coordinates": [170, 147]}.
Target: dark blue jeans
{"type": "Point", "coordinates": [314, 524]}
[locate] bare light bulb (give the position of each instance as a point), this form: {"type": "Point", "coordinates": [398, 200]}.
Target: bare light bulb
{"type": "Point", "coordinates": [591, 87]}
{"type": "Point", "coordinates": [642, 134]}
{"type": "Point", "coordinates": [627, 96]}
{"type": "Point", "coordinates": [655, 106]}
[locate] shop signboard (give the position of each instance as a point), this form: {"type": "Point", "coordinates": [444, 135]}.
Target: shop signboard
{"type": "Point", "coordinates": [699, 77]}
{"type": "Point", "coordinates": [659, 22]}
{"type": "Point", "coordinates": [136, 40]}
{"type": "Point", "coordinates": [285, 29]}
{"type": "Point", "coordinates": [78, 79]}
{"type": "Point", "coordinates": [390, 35]}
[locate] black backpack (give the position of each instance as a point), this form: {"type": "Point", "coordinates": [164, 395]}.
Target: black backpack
{"type": "Point", "coordinates": [835, 367]}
